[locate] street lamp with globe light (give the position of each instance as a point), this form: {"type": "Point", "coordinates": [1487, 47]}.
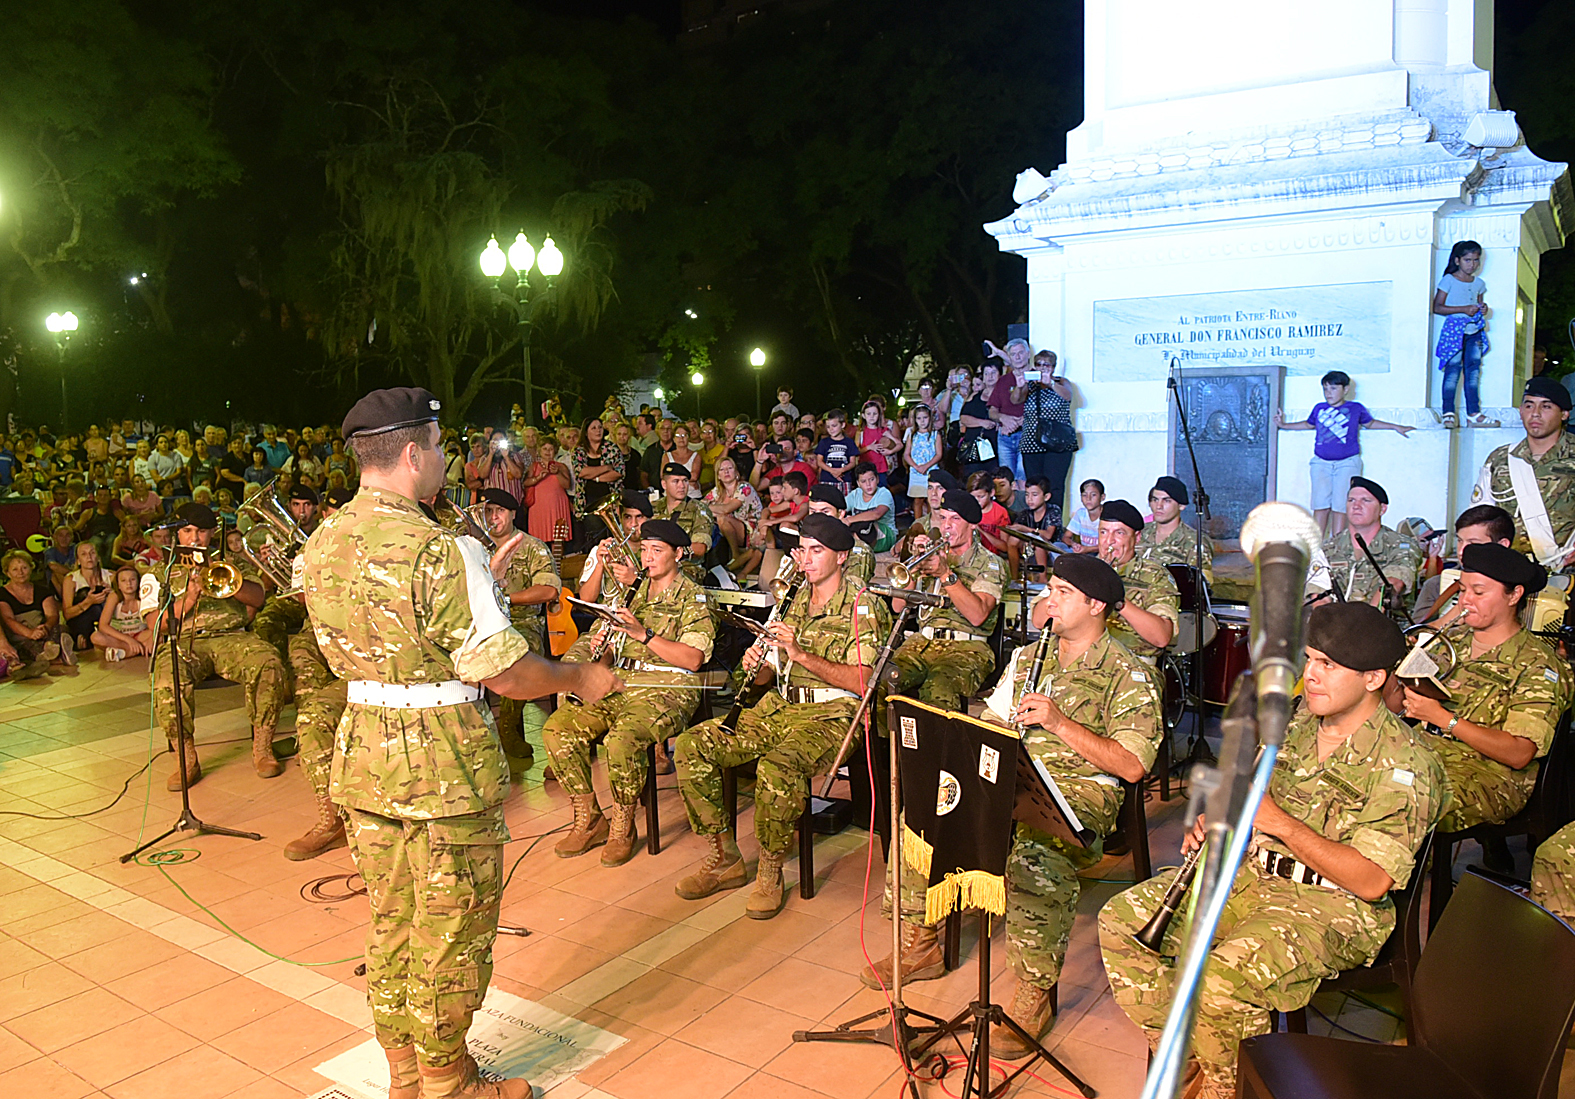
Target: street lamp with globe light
{"type": "Point", "coordinates": [697, 379]}
{"type": "Point", "coordinates": [757, 359]}
{"type": "Point", "coordinates": [61, 325]}
{"type": "Point", "coordinates": [522, 256]}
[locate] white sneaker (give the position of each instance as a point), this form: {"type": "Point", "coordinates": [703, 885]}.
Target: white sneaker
{"type": "Point", "coordinates": [114, 654]}
{"type": "Point", "coordinates": [1481, 420]}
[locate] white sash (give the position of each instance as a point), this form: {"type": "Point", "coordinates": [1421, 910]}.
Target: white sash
{"type": "Point", "coordinates": [1534, 515]}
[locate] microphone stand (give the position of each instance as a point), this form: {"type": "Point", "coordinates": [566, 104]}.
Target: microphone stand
{"type": "Point", "coordinates": [1197, 747]}
{"type": "Point", "coordinates": [1388, 596]}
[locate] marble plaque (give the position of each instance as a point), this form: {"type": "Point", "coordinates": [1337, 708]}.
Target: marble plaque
{"type": "Point", "coordinates": [1229, 410]}
{"type": "Point", "coordinates": [1304, 329]}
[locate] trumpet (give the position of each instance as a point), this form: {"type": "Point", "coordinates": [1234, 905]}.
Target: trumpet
{"type": "Point", "coordinates": [1153, 932]}
{"type": "Point", "coordinates": [904, 574]}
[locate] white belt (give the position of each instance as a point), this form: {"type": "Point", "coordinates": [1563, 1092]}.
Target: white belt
{"type": "Point", "coordinates": [642, 666]}
{"type": "Point", "coordinates": [1276, 865]}
{"type": "Point", "coordinates": [944, 634]}
{"type": "Point", "coordinates": [413, 696]}
{"type": "Point", "coordinates": [799, 696]}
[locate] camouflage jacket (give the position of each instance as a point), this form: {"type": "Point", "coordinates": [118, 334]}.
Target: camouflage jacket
{"type": "Point", "coordinates": [211, 616]}
{"type": "Point", "coordinates": [1150, 587]}
{"type": "Point", "coordinates": [1180, 548]}
{"type": "Point", "coordinates": [532, 564]}
{"type": "Point", "coordinates": [1555, 473]}
{"type": "Point", "coordinates": [692, 515]}
{"type": "Point", "coordinates": [860, 569]}
{"type": "Point", "coordinates": [679, 614]}
{"type": "Point", "coordinates": [982, 573]}
{"type": "Point", "coordinates": [850, 629]}
{"type": "Point", "coordinates": [1112, 694]}
{"type": "Point", "coordinates": [1397, 553]}
{"type": "Point", "coordinates": [1379, 792]}
{"type": "Point", "coordinates": [393, 600]}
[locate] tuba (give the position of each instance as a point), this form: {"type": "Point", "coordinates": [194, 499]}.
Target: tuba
{"type": "Point", "coordinates": [274, 556]}
{"type": "Point", "coordinates": [470, 520]}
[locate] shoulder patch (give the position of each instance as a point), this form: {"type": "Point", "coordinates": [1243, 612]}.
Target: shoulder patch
{"type": "Point", "coordinates": [1550, 674]}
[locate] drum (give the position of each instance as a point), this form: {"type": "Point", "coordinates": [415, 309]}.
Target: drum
{"type": "Point", "coordinates": [1190, 585]}
{"type": "Point", "coordinates": [1228, 655]}
{"type": "Point", "coordinates": [1186, 639]}
{"type": "Point", "coordinates": [1173, 690]}
{"type": "Point", "coordinates": [1012, 605]}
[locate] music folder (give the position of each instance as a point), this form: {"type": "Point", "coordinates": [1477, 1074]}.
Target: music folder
{"type": "Point", "coordinates": [1041, 804]}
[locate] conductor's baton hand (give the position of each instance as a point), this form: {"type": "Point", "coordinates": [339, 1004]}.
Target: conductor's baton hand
{"type": "Point", "coordinates": [596, 682]}
{"type": "Point", "coordinates": [504, 554]}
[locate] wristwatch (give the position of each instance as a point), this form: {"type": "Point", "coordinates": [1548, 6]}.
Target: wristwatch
{"type": "Point", "coordinates": [1449, 730]}
{"type": "Point", "coordinates": [949, 579]}
{"type": "Point", "coordinates": [649, 633]}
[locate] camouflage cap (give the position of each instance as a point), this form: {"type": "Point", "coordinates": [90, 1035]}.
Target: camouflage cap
{"type": "Point", "coordinates": [389, 410]}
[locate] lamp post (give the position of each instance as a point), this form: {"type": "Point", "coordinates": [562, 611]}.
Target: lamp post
{"type": "Point", "coordinates": [522, 256]}
{"type": "Point", "coordinates": [61, 325]}
{"type": "Point", "coordinates": [757, 359]}
{"type": "Point", "coordinates": [697, 379]}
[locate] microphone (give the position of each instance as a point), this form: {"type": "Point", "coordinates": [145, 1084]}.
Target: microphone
{"type": "Point", "coordinates": [928, 599]}
{"type": "Point", "coordinates": [1170, 380]}
{"type": "Point", "coordinates": [1280, 538]}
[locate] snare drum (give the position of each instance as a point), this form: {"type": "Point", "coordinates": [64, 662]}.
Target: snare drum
{"type": "Point", "coordinates": [1186, 639]}
{"type": "Point", "coordinates": [1228, 655]}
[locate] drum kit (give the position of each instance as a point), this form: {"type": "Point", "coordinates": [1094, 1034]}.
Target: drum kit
{"type": "Point", "coordinates": [1216, 630]}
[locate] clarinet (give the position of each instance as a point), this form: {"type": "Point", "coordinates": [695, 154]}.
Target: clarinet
{"type": "Point", "coordinates": [1153, 933]}
{"type": "Point", "coordinates": [1035, 668]}
{"type": "Point", "coordinates": [730, 722]}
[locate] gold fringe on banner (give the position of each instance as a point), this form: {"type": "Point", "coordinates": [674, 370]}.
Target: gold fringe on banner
{"type": "Point", "coordinates": [916, 852]}
{"type": "Point", "coordinates": [965, 889]}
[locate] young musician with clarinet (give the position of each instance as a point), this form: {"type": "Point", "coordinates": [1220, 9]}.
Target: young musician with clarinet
{"type": "Point", "coordinates": [1092, 717]}
{"type": "Point", "coordinates": [825, 642]}
{"type": "Point", "coordinates": [663, 635]}
{"type": "Point", "coordinates": [1353, 797]}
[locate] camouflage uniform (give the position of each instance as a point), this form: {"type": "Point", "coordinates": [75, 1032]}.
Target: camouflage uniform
{"type": "Point", "coordinates": [1553, 874]}
{"type": "Point", "coordinates": [280, 617]}
{"type": "Point", "coordinates": [1112, 694]}
{"type": "Point", "coordinates": [860, 569]}
{"type": "Point", "coordinates": [792, 740]}
{"type": "Point", "coordinates": [1397, 553]}
{"type": "Point", "coordinates": [319, 704]}
{"type": "Point", "coordinates": [943, 669]}
{"type": "Point", "coordinates": [1379, 792]}
{"type": "Point", "coordinates": [213, 641]}
{"type": "Point", "coordinates": [634, 719]}
{"type": "Point", "coordinates": [1555, 473]}
{"type": "Point", "coordinates": [394, 600]}
{"type": "Point", "coordinates": [531, 564]}
{"type": "Point", "coordinates": [1150, 587]}
{"type": "Point", "coordinates": [1520, 687]}
{"type": "Point", "coordinates": [1180, 548]}
{"type": "Point", "coordinates": [697, 522]}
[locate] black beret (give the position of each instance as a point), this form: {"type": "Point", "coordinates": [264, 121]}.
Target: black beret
{"type": "Point", "coordinates": [500, 498]}
{"type": "Point", "coordinates": [1355, 635]}
{"type": "Point", "coordinates": [1091, 576]}
{"type": "Point", "coordinates": [338, 497]}
{"type": "Point", "coordinates": [197, 515]}
{"type": "Point", "coordinates": [665, 530]}
{"type": "Point", "coordinates": [675, 469]}
{"type": "Point", "coordinates": [941, 477]}
{"type": "Point", "coordinates": [828, 494]}
{"type": "Point", "coordinates": [1504, 565]}
{"type": "Point", "coordinates": [304, 492]}
{"type": "Point", "coordinates": [389, 410]}
{"type": "Point", "coordinates": [1172, 487]}
{"type": "Point", "coordinates": [1119, 511]}
{"type": "Point", "coordinates": [1371, 486]}
{"type": "Point", "coordinates": [963, 503]}
{"type": "Point", "coordinates": [639, 501]}
{"type": "Point", "coordinates": [829, 531]}
{"type": "Point", "coordinates": [1554, 391]}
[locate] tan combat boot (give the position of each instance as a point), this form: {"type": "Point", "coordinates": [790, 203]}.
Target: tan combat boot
{"type": "Point", "coordinates": [404, 1076]}
{"type": "Point", "coordinates": [325, 835]}
{"type": "Point", "coordinates": [922, 959]}
{"type": "Point", "coordinates": [723, 868]}
{"type": "Point", "coordinates": [461, 1081]}
{"type": "Point", "coordinates": [193, 768]}
{"type": "Point", "coordinates": [590, 828]}
{"type": "Point", "coordinates": [766, 899]}
{"type": "Point", "coordinates": [264, 761]}
{"type": "Point", "coordinates": [1032, 1010]}
{"type": "Point", "coordinates": [621, 836]}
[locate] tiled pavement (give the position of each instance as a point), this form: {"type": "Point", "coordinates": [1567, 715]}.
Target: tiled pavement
{"type": "Point", "coordinates": [113, 983]}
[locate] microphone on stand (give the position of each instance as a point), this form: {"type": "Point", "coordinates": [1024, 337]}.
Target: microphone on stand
{"type": "Point", "coordinates": [1279, 538]}
{"type": "Point", "coordinates": [909, 595]}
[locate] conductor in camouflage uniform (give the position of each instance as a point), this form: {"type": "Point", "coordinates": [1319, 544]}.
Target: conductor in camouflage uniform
{"type": "Point", "coordinates": [1353, 797]}
{"type": "Point", "coordinates": [282, 615]}
{"type": "Point", "coordinates": [212, 641]}
{"type": "Point", "coordinates": [1348, 566]}
{"type": "Point", "coordinates": [1553, 874]}
{"type": "Point", "coordinates": [950, 657]}
{"type": "Point", "coordinates": [1507, 691]}
{"type": "Point", "coordinates": [1147, 620]}
{"type": "Point", "coordinates": [1544, 510]}
{"type": "Point", "coordinates": [829, 636]}
{"type": "Point", "coordinates": [692, 515]}
{"type": "Point", "coordinates": [664, 635]}
{"type": "Point", "coordinates": [410, 616]}
{"type": "Point", "coordinates": [1093, 719]}
{"type": "Point", "coordinates": [530, 583]}
{"type": "Point", "coordinates": [1167, 540]}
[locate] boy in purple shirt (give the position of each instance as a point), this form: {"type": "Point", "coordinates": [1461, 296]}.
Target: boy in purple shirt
{"type": "Point", "coordinates": [1337, 448]}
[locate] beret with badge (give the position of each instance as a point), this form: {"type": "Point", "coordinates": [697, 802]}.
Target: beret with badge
{"type": "Point", "coordinates": [197, 515]}
{"type": "Point", "coordinates": [828, 494]}
{"type": "Point", "coordinates": [639, 501]}
{"type": "Point", "coordinates": [499, 498]}
{"type": "Point", "coordinates": [338, 497]}
{"type": "Point", "coordinates": [1548, 389]}
{"type": "Point", "coordinates": [962, 504]}
{"type": "Point", "coordinates": [1371, 486]}
{"type": "Point", "coordinates": [389, 410]}
{"type": "Point", "coordinates": [675, 469]}
{"type": "Point", "coordinates": [1172, 487]}
{"type": "Point", "coordinates": [305, 492]}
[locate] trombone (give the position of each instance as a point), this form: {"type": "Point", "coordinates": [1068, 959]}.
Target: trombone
{"type": "Point", "coordinates": [904, 574]}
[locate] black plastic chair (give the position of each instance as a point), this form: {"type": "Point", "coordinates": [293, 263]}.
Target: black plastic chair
{"type": "Point", "coordinates": [1547, 810]}
{"type": "Point", "coordinates": [1397, 958]}
{"type": "Point", "coordinates": [1492, 1004]}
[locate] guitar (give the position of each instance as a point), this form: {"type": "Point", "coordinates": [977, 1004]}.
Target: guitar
{"type": "Point", "coordinates": [561, 630]}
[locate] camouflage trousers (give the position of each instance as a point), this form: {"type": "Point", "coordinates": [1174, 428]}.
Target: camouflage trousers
{"type": "Point", "coordinates": [1482, 792]}
{"type": "Point", "coordinates": [1553, 874]}
{"type": "Point", "coordinates": [627, 723]}
{"type": "Point", "coordinates": [516, 719]}
{"type": "Point", "coordinates": [320, 701]}
{"type": "Point", "coordinates": [792, 743]}
{"type": "Point", "coordinates": [278, 619]}
{"type": "Point", "coordinates": [433, 887]}
{"type": "Point", "coordinates": [241, 657]}
{"type": "Point", "coordinates": [1276, 941]}
{"type": "Point", "coordinates": [941, 672]}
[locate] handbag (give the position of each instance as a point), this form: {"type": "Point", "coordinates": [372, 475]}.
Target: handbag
{"type": "Point", "coordinates": [1056, 436]}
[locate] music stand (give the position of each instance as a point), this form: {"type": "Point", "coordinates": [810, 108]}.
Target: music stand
{"type": "Point", "coordinates": [187, 821]}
